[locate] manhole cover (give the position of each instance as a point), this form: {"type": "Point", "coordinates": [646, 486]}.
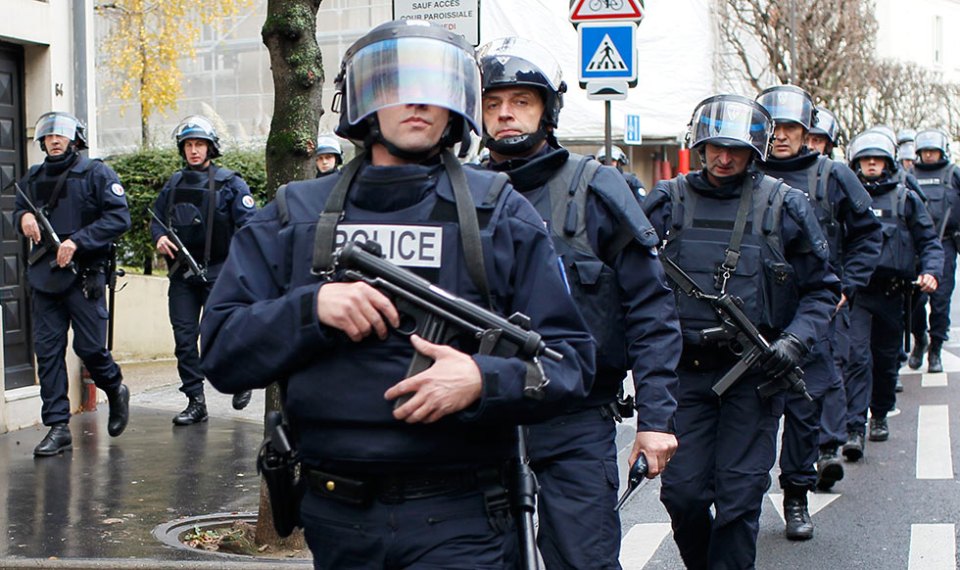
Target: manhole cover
{"type": "Point", "coordinates": [170, 533]}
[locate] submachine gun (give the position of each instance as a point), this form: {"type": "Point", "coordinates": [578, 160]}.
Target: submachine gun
{"type": "Point", "coordinates": [183, 254]}
{"type": "Point", "coordinates": [740, 334]}
{"type": "Point", "coordinates": [438, 317]}
{"type": "Point", "coordinates": [49, 240]}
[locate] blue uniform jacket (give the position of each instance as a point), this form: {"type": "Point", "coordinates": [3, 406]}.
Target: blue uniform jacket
{"type": "Point", "coordinates": [92, 194]}
{"type": "Point", "coordinates": [803, 243]}
{"type": "Point", "coordinates": [926, 242]}
{"type": "Point", "coordinates": [261, 324]}
{"type": "Point", "coordinates": [234, 203]}
{"type": "Point", "coordinates": [856, 249]}
{"type": "Point", "coordinates": [652, 330]}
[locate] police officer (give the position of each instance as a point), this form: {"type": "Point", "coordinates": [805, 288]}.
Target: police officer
{"type": "Point", "coordinates": [414, 485]}
{"type": "Point", "coordinates": [86, 206]}
{"type": "Point", "coordinates": [940, 180]}
{"type": "Point", "coordinates": [824, 135]}
{"type": "Point", "coordinates": [607, 248]}
{"type": "Point", "coordinates": [204, 204]}
{"type": "Point", "coordinates": [620, 160]}
{"type": "Point", "coordinates": [735, 231]}
{"type": "Point", "coordinates": [907, 149]}
{"type": "Point", "coordinates": [876, 319]}
{"type": "Point", "coordinates": [328, 155]}
{"type": "Point", "coordinates": [842, 207]}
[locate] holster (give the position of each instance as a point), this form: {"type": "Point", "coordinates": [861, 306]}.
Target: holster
{"type": "Point", "coordinates": [281, 472]}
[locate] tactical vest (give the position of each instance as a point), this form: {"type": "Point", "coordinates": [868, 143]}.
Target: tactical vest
{"type": "Point", "coordinates": [938, 186]}
{"type": "Point", "coordinates": [593, 284]}
{"type": "Point", "coordinates": [814, 182]}
{"type": "Point", "coordinates": [196, 199]}
{"type": "Point", "coordinates": [69, 209]}
{"type": "Point", "coordinates": [702, 241]}
{"type": "Point", "coordinates": [897, 259]}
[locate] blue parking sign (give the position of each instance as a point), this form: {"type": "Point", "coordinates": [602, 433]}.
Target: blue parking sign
{"type": "Point", "coordinates": [607, 51]}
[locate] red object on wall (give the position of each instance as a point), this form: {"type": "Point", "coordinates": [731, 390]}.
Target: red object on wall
{"type": "Point", "coordinates": [88, 394]}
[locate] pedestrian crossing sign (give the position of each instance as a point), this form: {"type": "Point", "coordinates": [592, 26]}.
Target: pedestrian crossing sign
{"type": "Point", "coordinates": [607, 51]}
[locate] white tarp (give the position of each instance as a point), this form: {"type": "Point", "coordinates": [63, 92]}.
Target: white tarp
{"type": "Point", "coordinates": [675, 45]}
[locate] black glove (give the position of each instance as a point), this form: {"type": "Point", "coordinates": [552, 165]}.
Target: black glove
{"type": "Point", "coordinates": [784, 355]}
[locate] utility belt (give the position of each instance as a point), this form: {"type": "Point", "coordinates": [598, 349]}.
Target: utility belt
{"type": "Point", "coordinates": [707, 357]}
{"type": "Point", "coordinates": [888, 286]}
{"type": "Point", "coordinates": [362, 490]}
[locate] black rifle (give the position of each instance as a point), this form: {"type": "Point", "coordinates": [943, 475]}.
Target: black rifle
{"type": "Point", "coordinates": [183, 254]}
{"type": "Point", "coordinates": [112, 274]}
{"type": "Point", "coordinates": [49, 240]}
{"type": "Point", "coordinates": [438, 317]}
{"type": "Point", "coordinates": [739, 332]}
{"type": "Point", "coordinates": [638, 473]}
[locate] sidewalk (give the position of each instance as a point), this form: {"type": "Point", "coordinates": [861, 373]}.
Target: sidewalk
{"type": "Point", "coordinates": [97, 505]}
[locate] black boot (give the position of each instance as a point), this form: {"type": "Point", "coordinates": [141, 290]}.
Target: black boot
{"type": "Point", "coordinates": [933, 356]}
{"type": "Point", "coordinates": [119, 399]}
{"type": "Point", "coordinates": [241, 400]}
{"type": "Point", "coordinates": [57, 439]}
{"type": "Point", "coordinates": [799, 524]}
{"type": "Point", "coordinates": [920, 344]}
{"type": "Point", "coordinates": [829, 468]}
{"type": "Point", "coordinates": [853, 448]}
{"type": "Point", "coordinates": [898, 387]}
{"type": "Point", "coordinates": [879, 431]}
{"type": "Point", "coordinates": [194, 413]}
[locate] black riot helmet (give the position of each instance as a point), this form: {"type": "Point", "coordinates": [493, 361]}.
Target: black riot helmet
{"type": "Point", "coordinates": [405, 62]}
{"type": "Point", "coordinates": [511, 62]}
{"type": "Point", "coordinates": [197, 127]}
{"type": "Point", "coordinates": [731, 121]}
{"type": "Point", "coordinates": [63, 124]}
{"type": "Point", "coordinates": [826, 124]}
{"type": "Point", "coordinates": [788, 104]}
{"type": "Point", "coordinates": [872, 142]}
{"type": "Point", "coordinates": [617, 155]}
{"type": "Point", "coordinates": [906, 135]}
{"type": "Point", "coordinates": [934, 139]}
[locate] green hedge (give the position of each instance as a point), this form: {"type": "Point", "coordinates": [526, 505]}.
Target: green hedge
{"type": "Point", "coordinates": [145, 172]}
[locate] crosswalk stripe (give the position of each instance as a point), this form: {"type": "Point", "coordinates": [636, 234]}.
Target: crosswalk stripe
{"type": "Point", "coordinates": [951, 362]}
{"type": "Point", "coordinates": [641, 543]}
{"type": "Point", "coordinates": [934, 458]}
{"type": "Point", "coordinates": [933, 380]}
{"type": "Point", "coordinates": [815, 502]}
{"type": "Point", "coordinates": [932, 547]}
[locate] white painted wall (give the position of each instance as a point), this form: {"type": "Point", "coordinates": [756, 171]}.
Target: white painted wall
{"type": "Point", "coordinates": [908, 31]}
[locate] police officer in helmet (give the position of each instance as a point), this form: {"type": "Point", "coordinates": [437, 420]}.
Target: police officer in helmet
{"type": "Point", "coordinates": [734, 230]}
{"type": "Point", "coordinates": [940, 179]}
{"type": "Point", "coordinates": [204, 204]}
{"type": "Point", "coordinates": [907, 149]}
{"type": "Point", "coordinates": [328, 155]}
{"type": "Point", "coordinates": [824, 134]}
{"type": "Point", "coordinates": [842, 207]}
{"type": "Point", "coordinates": [619, 161]}
{"type": "Point", "coordinates": [876, 319]}
{"type": "Point", "coordinates": [86, 206]}
{"type": "Point", "coordinates": [419, 484]}
{"type": "Point", "coordinates": [607, 247]}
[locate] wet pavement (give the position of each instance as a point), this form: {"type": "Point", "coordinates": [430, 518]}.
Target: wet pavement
{"type": "Point", "coordinates": [97, 505]}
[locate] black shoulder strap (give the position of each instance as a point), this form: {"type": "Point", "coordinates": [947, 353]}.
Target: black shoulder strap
{"type": "Point", "coordinates": [171, 199]}
{"type": "Point", "coordinates": [283, 213]}
{"type": "Point", "coordinates": [732, 257]}
{"type": "Point", "coordinates": [330, 216]}
{"type": "Point", "coordinates": [496, 187]}
{"type": "Point", "coordinates": [211, 212]}
{"type": "Point", "coordinates": [468, 224]}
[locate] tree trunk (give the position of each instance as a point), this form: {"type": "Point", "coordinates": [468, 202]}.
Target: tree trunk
{"type": "Point", "coordinates": [290, 34]}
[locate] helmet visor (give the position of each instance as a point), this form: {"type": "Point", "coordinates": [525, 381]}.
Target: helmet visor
{"type": "Point", "coordinates": [56, 124]}
{"type": "Point", "coordinates": [932, 140]}
{"type": "Point", "coordinates": [731, 122]}
{"type": "Point", "coordinates": [826, 124]}
{"type": "Point", "coordinates": [871, 143]}
{"type": "Point", "coordinates": [907, 151]}
{"type": "Point", "coordinates": [413, 70]}
{"type": "Point", "coordinates": [194, 127]}
{"type": "Point", "coordinates": [521, 62]}
{"type": "Point", "coordinates": [788, 106]}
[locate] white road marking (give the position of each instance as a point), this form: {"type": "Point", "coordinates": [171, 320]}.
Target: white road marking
{"type": "Point", "coordinates": [641, 543]}
{"type": "Point", "coordinates": [932, 547]}
{"type": "Point", "coordinates": [815, 502]}
{"type": "Point", "coordinates": [934, 457]}
{"type": "Point", "coordinates": [933, 380]}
